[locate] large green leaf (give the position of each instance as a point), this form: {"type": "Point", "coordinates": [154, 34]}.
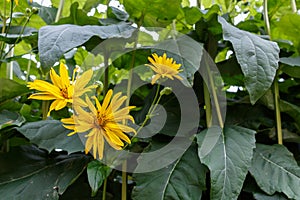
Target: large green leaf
{"type": "Point", "coordinates": [228, 154]}
{"type": "Point", "coordinates": [153, 13]}
{"type": "Point", "coordinates": [97, 172]}
{"type": "Point", "coordinates": [275, 169]}
{"type": "Point", "coordinates": [258, 58]}
{"type": "Point", "coordinates": [30, 173]}
{"type": "Point", "coordinates": [54, 41]}
{"type": "Point", "coordinates": [10, 89]}
{"type": "Point", "coordinates": [50, 135]}
{"type": "Point", "coordinates": [184, 179]}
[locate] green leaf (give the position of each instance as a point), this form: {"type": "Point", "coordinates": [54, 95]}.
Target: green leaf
{"type": "Point", "coordinates": [29, 173]}
{"type": "Point", "coordinates": [153, 13]}
{"type": "Point", "coordinates": [292, 66]}
{"type": "Point", "coordinates": [78, 17]}
{"type": "Point", "coordinates": [50, 135]}
{"type": "Point", "coordinates": [54, 41]}
{"type": "Point", "coordinates": [292, 61]}
{"type": "Point", "coordinates": [291, 109]}
{"type": "Point", "coordinates": [258, 59]}
{"type": "Point", "coordinates": [184, 179]}
{"type": "Point", "coordinates": [14, 33]}
{"type": "Point", "coordinates": [228, 154]}
{"type": "Point", "coordinates": [275, 169]}
{"type": "Point", "coordinates": [97, 172]}
{"type": "Point", "coordinates": [48, 14]}
{"type": "Point", "coordinates": [67, 5]}
{"type": "Point", "coordinates": [10, 89]}
{"type": "Point", "coordinates": [8, 118]}
{"type": "Point", "coordinates": [289, 22]}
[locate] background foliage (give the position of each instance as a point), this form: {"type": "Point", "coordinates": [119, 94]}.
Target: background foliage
{"type": "Point", "coordinates": [255, 45]}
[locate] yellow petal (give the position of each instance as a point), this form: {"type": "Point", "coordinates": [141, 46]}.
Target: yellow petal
{"type": "Point", "coordinates": [64, 75]}
{"type": "Point", "coordinates": [106, 100]}
{"type": "Point", "coordinates": [56, 80]}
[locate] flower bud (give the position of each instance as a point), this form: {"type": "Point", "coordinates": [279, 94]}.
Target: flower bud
{"type": "Point", "coordinates": [166, 91]}
{"type": "Point", "coordinates": [35, 10]}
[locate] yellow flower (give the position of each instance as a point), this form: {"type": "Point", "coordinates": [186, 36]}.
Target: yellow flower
{"type": "Point", "coordinates": [62, 90]}
{"type": "Point", "coordinates": [103, 122]}
{"type": "Point", "coordinates": [164, 67]}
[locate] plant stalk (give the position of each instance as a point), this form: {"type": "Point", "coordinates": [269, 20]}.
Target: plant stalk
{"type": "Point", "coordinates": [277, 111]}
{"type": "Point", "coordinates": [294, 6]}
{"type": "Point", "coordinates": [59, 11]}
{"type": "Point", "coordinates": [276, 87]}
{"type": "Point", "coordinates": [266, 18]}
{"type": "Point", "coordinates": [104, 189]}
{"type": "Point", "coordinates": [124, 180]}
{"type": "Point", "coordinates": [106, 73]}
{"type": "Point", "coordinates": [208, 111]}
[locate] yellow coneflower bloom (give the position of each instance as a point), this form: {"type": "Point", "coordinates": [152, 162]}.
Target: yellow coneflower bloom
{"type": "Point", "coordinates": [62, 90]}
{"type": "Point", "coordinates": [164, 67]}
{"type": "Point", "coordinates": [103, 122]}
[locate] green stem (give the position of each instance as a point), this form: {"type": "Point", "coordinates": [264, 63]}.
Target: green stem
{"type": "Point", "coordinates": [28, 67]}
{"type": "Point", "coordinates": [20, 35]}
{"type": "Point", "coordinates": [215, 97]}
{"type": "Point", "coordinates": [129, 85]}
{"type": "Point", "coordinates": [266, 18]}
{"type": "Point", "coordinates": [3, 28]}
{"type": "Point", "coordinates": [106, 73]}
{"type": "Point", "coordinates": [208, 111]}
{"type": "Point", "coordinates": [45, 109]}
{"type": "Point", "coordinates": [276, 87]}
{"type": "Point", "coordinates": [151, 109]}
{"type": "Point", "coordinates": [104, 189]}
{"type": "Point", "coordinates": [277, 110]}
{"type": "Point", "coordinates": [294, 6]}
{"type": "Point", "coordinates": [60, 9]}
{"type": "Point", "coordinates": [10, 67]}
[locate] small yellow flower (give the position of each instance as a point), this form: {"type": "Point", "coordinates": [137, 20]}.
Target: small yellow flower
{"type": "Point", "coordinates": [164, 67]}
{"type": "Point", "coordinates": [62, 90]}
{"type": "Point", "coordinates": [103, 122]}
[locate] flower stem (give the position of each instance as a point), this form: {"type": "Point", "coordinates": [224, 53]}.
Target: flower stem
{"type": "Point", "coordinates": [151, 109]}
{"type": "Point", "coordinates": [60, 9]}
{"type": "Point", "coordinates": [104, 189]}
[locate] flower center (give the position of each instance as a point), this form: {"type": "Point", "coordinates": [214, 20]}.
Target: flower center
{"type": "Point", "coordinates": [64, 93]}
